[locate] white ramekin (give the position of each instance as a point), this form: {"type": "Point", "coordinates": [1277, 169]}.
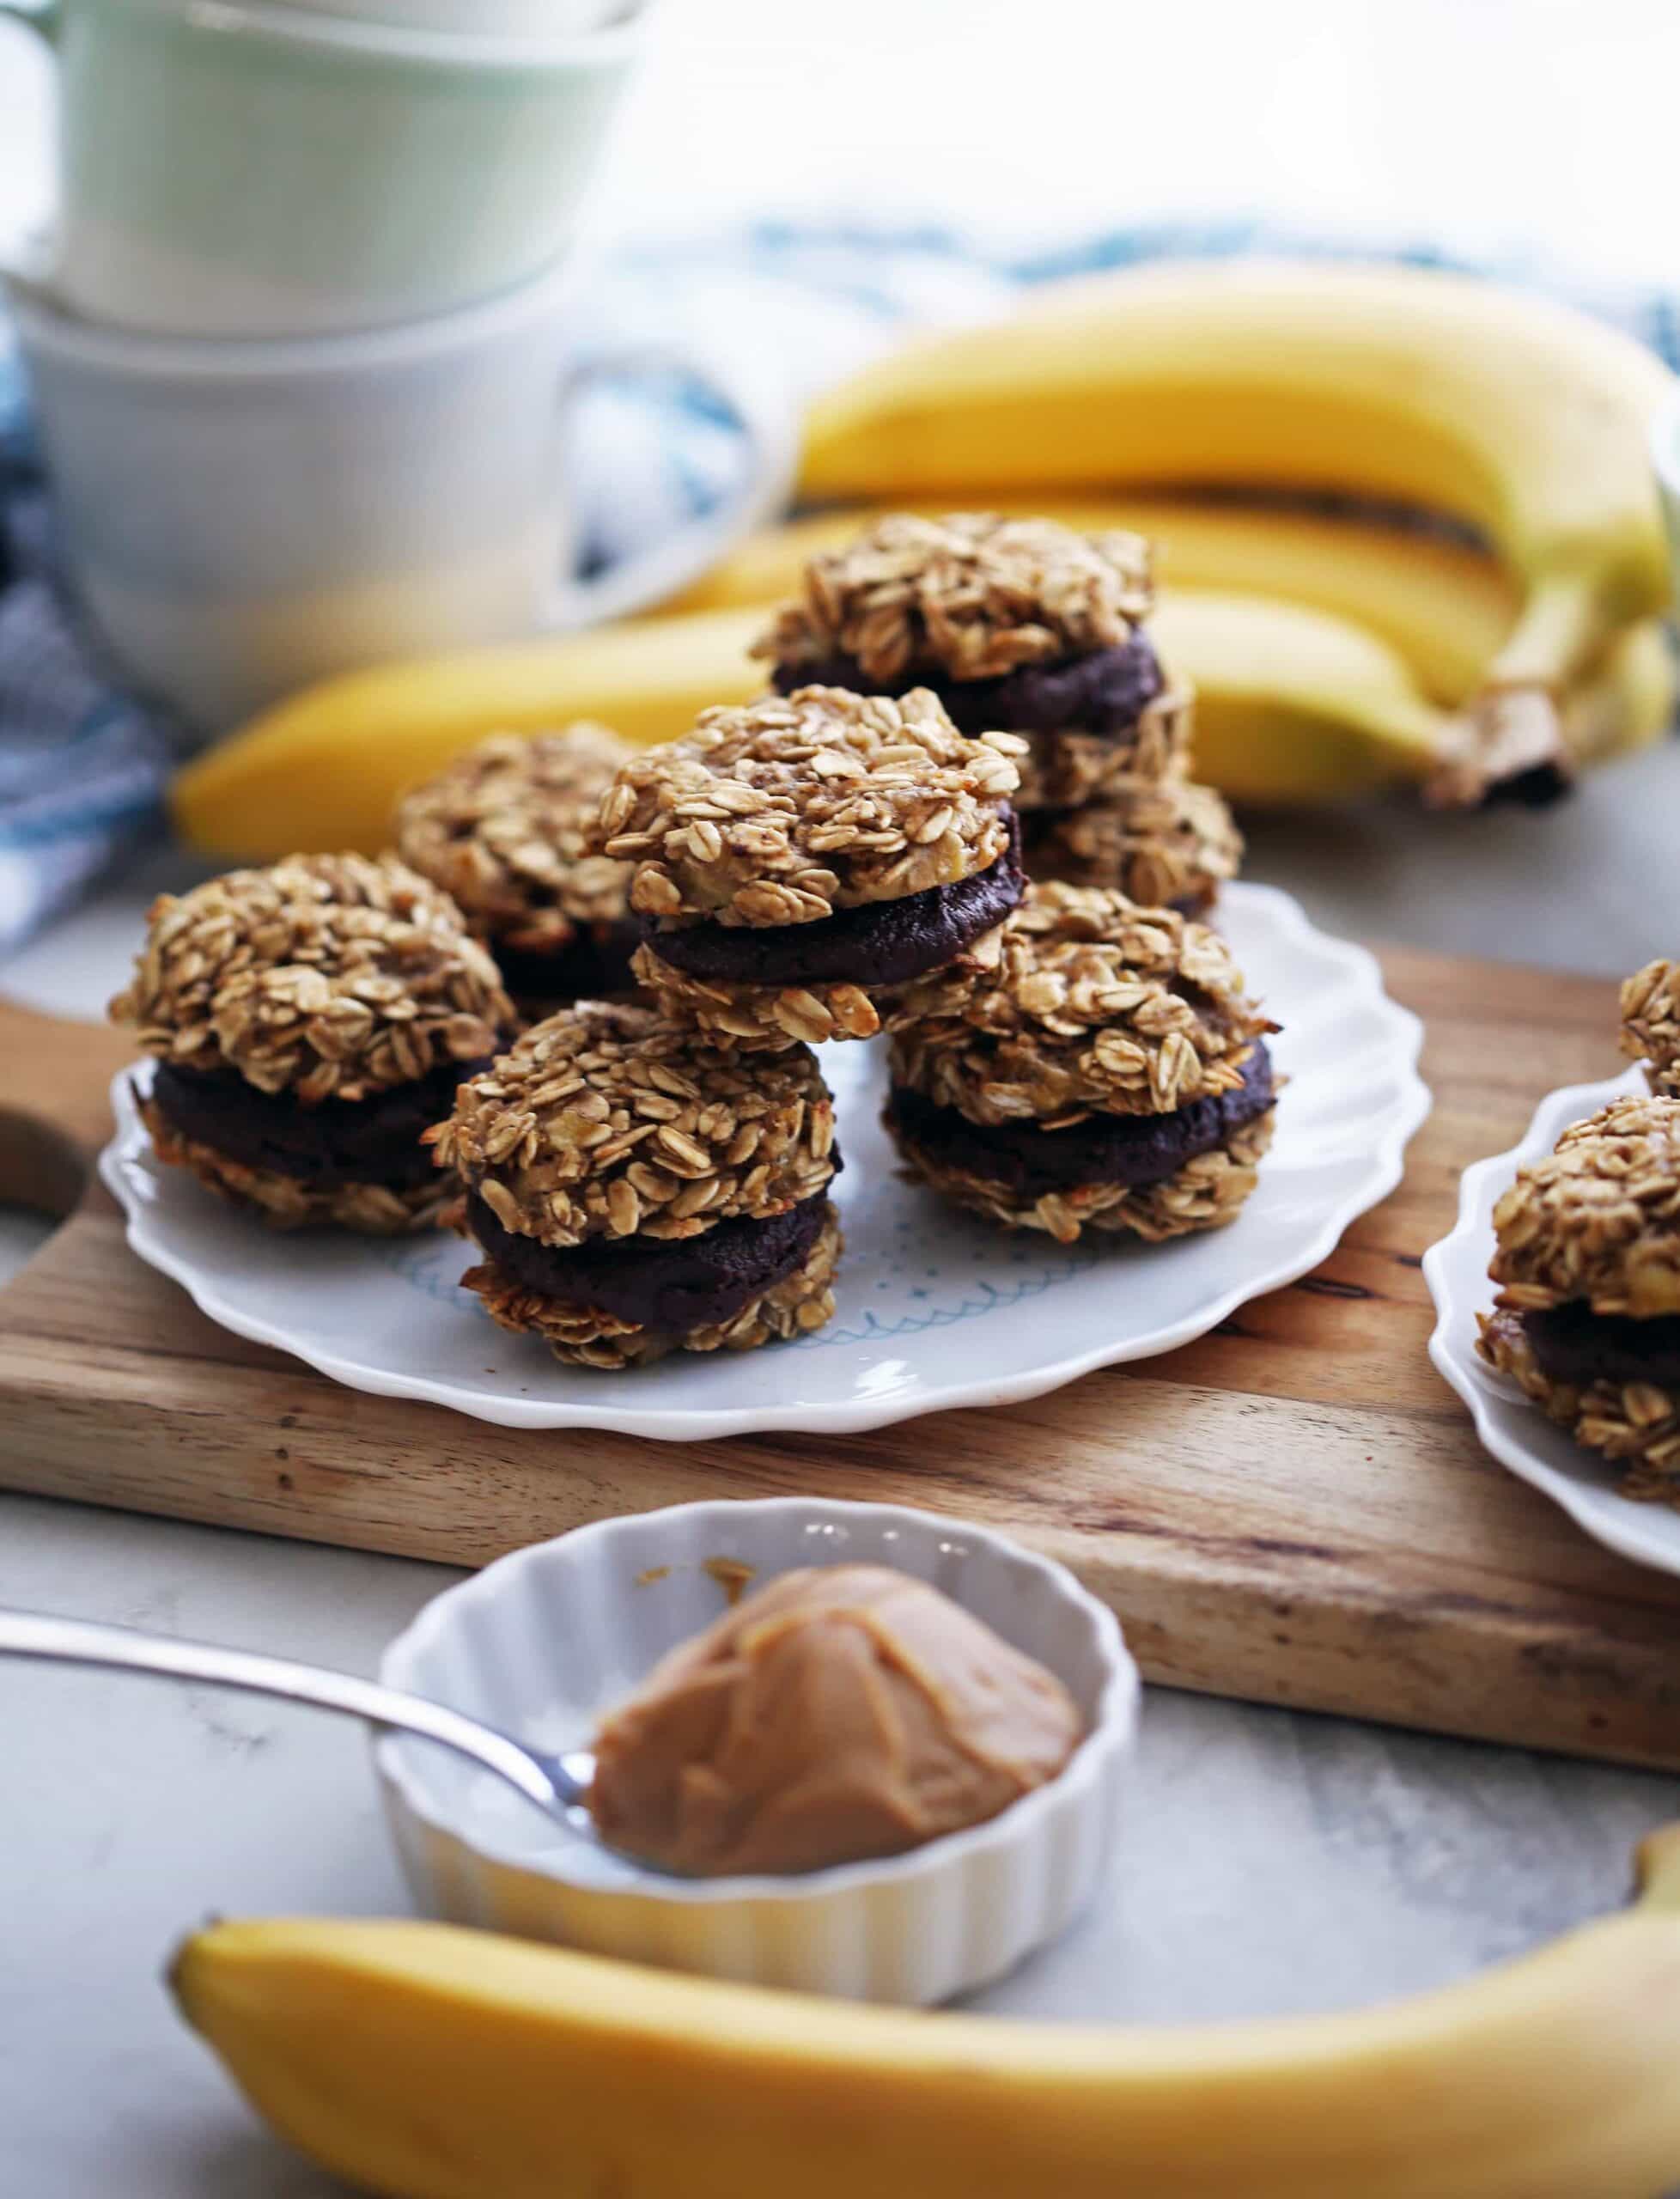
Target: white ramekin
{"type": "Point", "coordinates": [544, 1641]}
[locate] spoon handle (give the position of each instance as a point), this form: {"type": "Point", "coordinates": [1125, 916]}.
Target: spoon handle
{"type": "Point", "coordinates": [80, 1642]}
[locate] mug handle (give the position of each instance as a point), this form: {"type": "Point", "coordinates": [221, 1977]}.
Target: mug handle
{"type": "Point", "coordinates": [45, 17]}
{"type": "Point", "coordinates": [664, 568]}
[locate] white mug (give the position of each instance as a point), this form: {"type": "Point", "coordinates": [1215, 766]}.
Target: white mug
{"type": "Point", "coordinates": [238, 518]}
{"type": "Point", "coordinates": [235, 168]}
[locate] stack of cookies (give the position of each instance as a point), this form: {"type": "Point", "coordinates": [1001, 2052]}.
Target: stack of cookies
{"type": "Point", "coordinates": [1651, 1025]}
{"type": "Point", "coordinates": [644, 1179]}
{"type": "Point", "coordinates": [503, 830]}
{"type": "Point", "coordinates": [636, 1190]}
{"type": "Point", "coordinates": [1108, 1072]}
{"type": "Point", "coordinates": [800, 860]}
{"type": "Point", "coordinates": [1024, 626]}
{"type": "Point", "coordinates": [308, 1022]}
{"type": "Point", "coordinates": [648, 1168]}
{"type": "Point", "coordinates": [1587, 1319]}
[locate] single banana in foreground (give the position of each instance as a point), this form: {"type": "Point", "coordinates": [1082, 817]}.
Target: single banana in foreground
{"type": "Point", "coordinates": [1445, 607]}
{"type": "Point", "coordinates": [1292, 706]}
{"type": "Point", "coordinates": [427, 2063]}
{"type": "Point", "coordinates": [1522, 416]}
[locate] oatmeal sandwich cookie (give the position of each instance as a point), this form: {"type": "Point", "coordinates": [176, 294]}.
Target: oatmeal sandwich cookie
{"type": "Point", "coordinates": [798, 860]}
{"type": "Point", "coordinates": [1165, 843]}
{"type": "Point", "coordinates": [1651, 1024]}
{"type": "Point", "coordinates": [1109, 1073]}
{"type": "Point", "coordinates": [503, 829]}
{"type": "Point", "coordinates": [309, 1021]}
{"type": "Point", "coordinates": [1587, 1319]}
{"type": "Point", "coordinates": [637, 1191]}
{"type": "Point", "coordinates": [1018, 625]}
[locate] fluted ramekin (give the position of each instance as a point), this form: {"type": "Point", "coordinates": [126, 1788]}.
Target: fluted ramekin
{"type": "Point", "coordinates": [544, 1641]}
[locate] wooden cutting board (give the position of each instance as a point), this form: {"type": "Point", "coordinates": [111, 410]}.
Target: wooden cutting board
{"type": "Point", "coordinates": [1293, 1510]}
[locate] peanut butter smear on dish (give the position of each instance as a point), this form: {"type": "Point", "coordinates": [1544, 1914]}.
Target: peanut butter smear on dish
{"type": "Point", "coordinates": [839, 1713]}
{"type": "Point", "coordinates": [731, 1575]}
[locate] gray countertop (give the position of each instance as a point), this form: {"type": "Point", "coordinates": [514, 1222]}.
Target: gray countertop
{"type": "Point", "coordinates": [1268, 1861]}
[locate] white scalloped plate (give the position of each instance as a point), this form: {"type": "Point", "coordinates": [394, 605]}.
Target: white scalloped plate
{"type": "Point", "coordinates": [1516, 1431]}
{"type": "Point", "coordinates": [935, 1309]}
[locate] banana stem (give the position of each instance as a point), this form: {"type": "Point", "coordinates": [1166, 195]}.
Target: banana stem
{"type": "Point", "coordinates": [1508, 746]}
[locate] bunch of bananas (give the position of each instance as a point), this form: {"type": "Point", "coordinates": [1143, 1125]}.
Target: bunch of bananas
{"type": "Point", "coordinates": [1523, 419]}
{"type": "Point", "coordinates": [1331, 657]}
{"type": "Point", "coordinates": [428, 2062]}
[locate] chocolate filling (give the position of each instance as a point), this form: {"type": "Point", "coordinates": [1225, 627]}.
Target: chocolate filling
{"type": "Point", "coordinates": [1105, 691]}
{"type": "Point", "coordinates": [880, 943]}
{"type": "Point", "coordinates": [669, 1285]}
{"type": "Point", "coordinates": [1128, 1149]}
{"type": "Point", "coordinates": [594, 964]}
{"type": "Point", "coordinates": [334, 1143]}
{"type": "Point", "coordinates": [1575, 1345]}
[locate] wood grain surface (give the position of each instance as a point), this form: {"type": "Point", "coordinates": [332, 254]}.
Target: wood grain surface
{"type": "Point", "coordinates": [1293, 1510]}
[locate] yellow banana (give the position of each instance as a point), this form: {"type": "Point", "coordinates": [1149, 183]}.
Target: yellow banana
{"type": "Point", "coordinates": [1295, 707]}
{"type": "Point", "coordinates": [322, 769]}
{"type": "Point", "coordinates": [1292, 706]}
{"type": "Point", "coordinates": [1520, 416]}
{"type": "Point", "coordinates": [1630, 702]}
{"type": "Point", "coordinates": [1299, 706]}
{"type": "Point", "coordinates": [428, 2062]}
{"type": "Point", "coordinates": [1445, 607]}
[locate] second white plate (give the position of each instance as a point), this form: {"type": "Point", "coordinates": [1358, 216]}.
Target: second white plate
{"type": "Point", "coordinates": [935, 1309]}
{"type": "Point", "coordinates": [1513, 1428]}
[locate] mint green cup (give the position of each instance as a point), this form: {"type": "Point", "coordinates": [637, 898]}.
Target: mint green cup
{"type": "Point", "coordinates": [250, 170]}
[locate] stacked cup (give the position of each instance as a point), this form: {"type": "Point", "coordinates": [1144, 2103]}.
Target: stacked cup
{"type": "Point", "coordinates": [301, 338]}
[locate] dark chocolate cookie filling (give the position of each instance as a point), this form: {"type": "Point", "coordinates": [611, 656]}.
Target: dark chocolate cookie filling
{"type": "Point", "coordinates": [593, 965]}
{"type": "Point", "coordinates": [668, 1285]}
{"type": "Point", "coordinates": [1575, 1345]}
{"type": "Point", "coordinates": [1106, 692]}
{"type": "Point", "coordinates": [882, 943]}
{"type": "Point", "coordinates": [1132, 1150]}
{"type": "Point", "coordinates": [334, 1143]}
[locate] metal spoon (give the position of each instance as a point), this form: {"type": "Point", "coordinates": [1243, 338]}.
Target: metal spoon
{"type": "Point", "coordinates": [558, 1785]}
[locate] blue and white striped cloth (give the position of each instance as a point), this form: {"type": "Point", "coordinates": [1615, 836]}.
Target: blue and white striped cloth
{"type": "Point", "coordinates": [83, 767]}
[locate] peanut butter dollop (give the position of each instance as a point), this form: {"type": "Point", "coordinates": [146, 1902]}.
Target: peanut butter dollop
{"type": "Point", "coordinates": [840, 1712]}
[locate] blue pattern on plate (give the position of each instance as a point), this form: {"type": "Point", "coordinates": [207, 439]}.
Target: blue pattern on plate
{"type": "Point", "coordinates": [433, 1269]}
